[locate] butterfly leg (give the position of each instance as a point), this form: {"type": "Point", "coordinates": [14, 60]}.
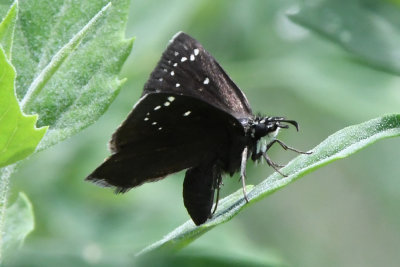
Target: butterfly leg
{"type": "Point", "coordinates": [286, 147]}
{"type": "Point", "coordinates": [243, 172]}
{"type": "Point", "coordinates": [274, 165]}
{"type": "Point", "coordinates": [256, 155]}
{"type": "Point", "coordinates": [218, 182]}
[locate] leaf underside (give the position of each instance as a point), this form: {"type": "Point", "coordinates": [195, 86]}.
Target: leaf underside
{"type": "Point", "coordinates": [347, 22]}
{"type": "Point", "coordinates": [19, 137]}
{"type": "Point", "coordinates": [68, 55]}
{"type": "Point", "coordinates": [18, 224]}
{"type": "Point", "coordinates": [73, 59]}
{"type": "Point", "coordinates": [337, 146]}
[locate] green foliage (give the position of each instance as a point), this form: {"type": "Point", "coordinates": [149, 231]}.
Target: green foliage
{"type": "Point", "coordinates": [369, 29]}
{"type": "Point", "coordinates": [68, 72]}
{"type": "Point", "coordinates": [7, 29]}
{"type": "Point", "coordinates": [19, 136]}
{"type": "Point", "coordinates": [66, 61]}
{"type": "Point", "coordinates": [337, 146]}
{"type": "Point", "coordinates": [342, 215]}
{"type": "Point", "coordinates": [200, 259]}
{"type": "Point", "coordinates": [18, 224]}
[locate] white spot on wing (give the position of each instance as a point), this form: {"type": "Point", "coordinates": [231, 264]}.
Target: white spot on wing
{"type": "Point", "coordinates": [187, 113]}
{"type": "Point", "coordinates": [154, 123]}
{"type": "Point", "coordinates": [165, 70]}
{"type": "Point", "coordinates": [176, 53]}
{"type": "Point", "coordinates": [167, 103]}
{"type": "Point", "coordinates": [171, 98]}
{"type": "Point", "coordinates": [191, 57]}
{"type": "Point", "coordinates": [196, 51]}
{"type": "Point", "coordinates": [206, 81]}
{"type": "Point", "coordinates": [172, 73]}
{"type": "Point", "coordinates": [158, 107]}
{"type": "Point", "coordinates": [161, 79]}
{"type": "Point", "coordinates": [183, 59]}
{"type": "Point", "coordinates": [146, 119]}
{"type": "Point", "coordinates": [177, 85]}
{"type": "Point", "coordinates": [175, 64]}
{"type": "Point", "coordinates": [159, 128]}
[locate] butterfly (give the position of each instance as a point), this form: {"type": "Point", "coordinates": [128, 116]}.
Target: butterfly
{"type": "Point", "coordinates": [191, 116]}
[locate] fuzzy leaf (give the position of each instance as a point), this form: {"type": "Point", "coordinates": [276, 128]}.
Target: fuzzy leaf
{"type": "Point", "coordinates": [337, 146]}
{"type": "Point", "coordinates": [207, 258]}
{"type": "Point", "coordinates": [369, 29]}
{"type": "Point", "coordinates": [7, 27]}
{"type": "Point", "coordinates": [68, 61]}
{"type": "Point", "coordinates": [18, 224]}
{"type": "Point", "coordinates": [19, 137]}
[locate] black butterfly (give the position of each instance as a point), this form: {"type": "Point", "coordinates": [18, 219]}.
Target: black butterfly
{"type": "Point", "coordinates": [191, 116]}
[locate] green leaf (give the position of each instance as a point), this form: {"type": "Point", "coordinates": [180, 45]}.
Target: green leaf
{"type": "Point", "coordinates": [19, 222]}
{"type": "Point", "coordinates": [337, 146]}
{"type": "Point", "coordinates": [368, 29]}
{"type": "Point", "coordinates": [205, 258]}
{"type": "Point", "coordinates": [68, 61]}
{"type": "Point", "coordinates": [19, 136]}
{"type": "Point", "coordinates": [7, 27]}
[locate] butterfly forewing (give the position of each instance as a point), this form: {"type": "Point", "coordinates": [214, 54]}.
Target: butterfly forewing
{"type": "Point", "coordinates": [163, 134]}
{"type": "Point", "coordinates": [189, 117]}
{"type": "Point", "coordinates": [186, 68]}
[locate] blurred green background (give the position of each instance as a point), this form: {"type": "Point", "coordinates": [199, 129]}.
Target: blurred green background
{"type": "Point", "coordinates": [345, 214]}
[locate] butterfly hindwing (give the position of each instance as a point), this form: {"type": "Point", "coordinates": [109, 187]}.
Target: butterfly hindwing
{"type": "Point", "coordinates": [198, 190]}
{"type": "Point", "coordinates": [187, 68]}
{"type": "Point", "coordinates": [163, 134]}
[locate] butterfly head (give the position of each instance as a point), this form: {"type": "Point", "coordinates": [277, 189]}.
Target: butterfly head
{"type": "Point", "coordinates": [269, 126]}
